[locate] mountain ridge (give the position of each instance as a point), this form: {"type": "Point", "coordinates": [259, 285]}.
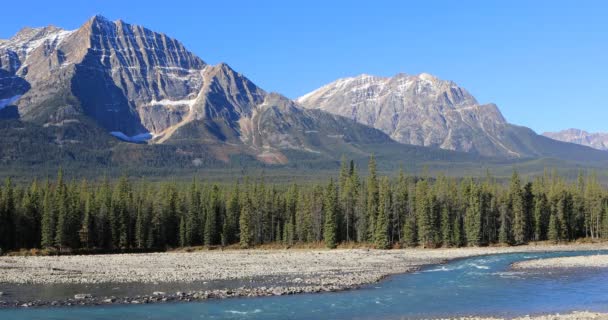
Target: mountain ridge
{"type": "Point", "coordinates": [111, 92]}
{"type": "Point", "coordinates": [144, 87]}
{"type": "Point", "coordinates": [596, 140]}
{"type": "Point", "coordinates": [427, 111]}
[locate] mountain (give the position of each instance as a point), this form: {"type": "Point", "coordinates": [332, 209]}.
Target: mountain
{"type": "Point", "coordinates": [113, 93]}
{"type": "Point", "coordinates": [597, 140]}
{"type": "Point", "coordinates": [111, 96]}
{"type": "Point", "coordinates": [426, 111]}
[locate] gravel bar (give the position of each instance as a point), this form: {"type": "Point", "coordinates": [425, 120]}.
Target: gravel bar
{"type": "Point", "coordinates": [596, 261]}
{"type": "Point", "coordinates": [297, 271]}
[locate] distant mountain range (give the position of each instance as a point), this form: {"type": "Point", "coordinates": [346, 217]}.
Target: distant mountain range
{"type": "Point", "coordinates": [598, 140]}
{"type": "Point", "coordinates": [115, 94]}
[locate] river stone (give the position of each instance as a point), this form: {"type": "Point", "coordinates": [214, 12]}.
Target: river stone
{"type": "Point", "coordinates": [82, 296]}
{"type": "Point", "coordinates": [158, 293]}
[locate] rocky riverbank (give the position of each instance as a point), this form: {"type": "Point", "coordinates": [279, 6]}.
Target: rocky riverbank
{"type": "Point", "coordinates": [577, 315]}
{"type": "Point", "coordinates": [290, 271]}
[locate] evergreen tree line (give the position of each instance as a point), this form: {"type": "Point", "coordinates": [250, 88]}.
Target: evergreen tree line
{"type": "Point", "coordinates": [409, 211]}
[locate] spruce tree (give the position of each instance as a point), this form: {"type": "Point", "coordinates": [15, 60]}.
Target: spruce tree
{"type": "Point", "coordinates": [446, 226]}
{"type": "Point", "coordinates": [86, 229]}
{"type": "Point", "coordinates": [381, 239]}
{"type": "Point", "coordinates": [7, 216]}
{"type": "Point", "coordinates": [192, 226]}
{"type": "Point", "coordinates": [400, 206]}
{"type": "Point", "coordinates": [372, 197]}
{"type": "Point", "coordinates": [473, 218]}
{"type": "Point", "coordinates": [212, 217]}
{"type": "Point", "coordinates": [504, 234]}
{"type": "Point", "coordinates": [553, 233]}
{"type": "Point", "coordinates": [61, 202]}
{"type": "Point", "coordinates": [141, 224]}
{"type": "Point", "coordinates": [48, 218]}
{"type": "Point", "coordinates": [233, 209]}
{"type": "Point", "coordinates": [519, 211]}
{"type": "Point", "coordinates": [245, 236]}
{"type": "Point", "coordinates": [330, 227]}
{"type": "Point", "coordinates": [425, 214]}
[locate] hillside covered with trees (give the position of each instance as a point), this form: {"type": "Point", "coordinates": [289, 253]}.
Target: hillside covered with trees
{"type": "Point", "coordinates": [407, 211]}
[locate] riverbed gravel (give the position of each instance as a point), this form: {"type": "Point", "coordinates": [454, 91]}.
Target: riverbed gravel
{"type": "Point", "coordinates": [321, 267]}
{"type": "Point", "coordinates": [292, 271]}
{"type": "Point", "coordinates": [594, 261]}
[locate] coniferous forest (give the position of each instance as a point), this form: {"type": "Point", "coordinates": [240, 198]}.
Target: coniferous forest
{"type": "Point", "coordinates": [382, 211]}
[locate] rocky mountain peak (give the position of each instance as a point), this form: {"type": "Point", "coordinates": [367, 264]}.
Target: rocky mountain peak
{"type": "Point", "coordinates": [27, 40]}
{"type": "Point", "coordinates": [415, 109]}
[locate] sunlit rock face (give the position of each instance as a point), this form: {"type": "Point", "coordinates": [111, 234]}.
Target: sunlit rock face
{"type": "Point", "coordinates": [417, 109]}
{"type": "Point", "coordinates": [140, 86]}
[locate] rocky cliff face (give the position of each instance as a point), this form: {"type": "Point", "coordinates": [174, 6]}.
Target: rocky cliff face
{"type": "Point", "coordinates": [142, 86]}
{"type": "Point", "coordinates": [416, 109]}
{"type": "Point", "coordinates": [597, 140]}
{"type": "Point", "coordinates": [71, 91]}
{"type": "Point", "coordinates": [114, 72]}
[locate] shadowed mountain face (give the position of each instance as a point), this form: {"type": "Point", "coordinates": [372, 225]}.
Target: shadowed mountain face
{"type": "Point", "coordinates": [598, 140]}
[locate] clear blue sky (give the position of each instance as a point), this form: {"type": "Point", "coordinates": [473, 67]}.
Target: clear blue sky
{"type": "Point", "coordinates": [545, 63]}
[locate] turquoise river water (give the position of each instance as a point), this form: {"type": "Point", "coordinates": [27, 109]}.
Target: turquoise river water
{"type": "Point", "coordinates": [473, 286]}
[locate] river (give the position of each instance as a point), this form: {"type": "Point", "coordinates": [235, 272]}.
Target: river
{"type": "Point", "coordinates": [474, 286]}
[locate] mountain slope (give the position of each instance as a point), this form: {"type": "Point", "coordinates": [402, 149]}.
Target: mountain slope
{"type": "Point", "coordinates": [123, 80]}
{"type": "Point", "coordinates": [424, 110]}
{"type": "Point", "coordinates": [597, 140]}
{"type": "Point", "coordinates": [112, 95]}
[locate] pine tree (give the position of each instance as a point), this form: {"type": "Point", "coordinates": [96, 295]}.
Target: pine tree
{"type": "Point", "coordinates": [61, 202]}
{"type": "Point", "coordinates": [141, 224]}
{"type": "Point", "coordinates": [473, 217]}
{"type": "Point", "coordinates": [446, 226]}
{"type": "Point", "coordinates": [191, 225]}
{"type": "Point", "coordinates": [519, 211]}
{"type": "Point", "coordinates": [372, 198]}
{"type": "Point", "coordinates": [553, 232]}
{"type": "Point", "coordinates": [121, 213]}
{"type": "Point", "coordinates": [381, 239]}
{"type": "Point", "coordinates": [7, 216]}
{"type": "Point", "coordinates": [245, 236]}
{"type": "Point", "coordinates": [86, 229]}
{"type": "Point", "coordinates": [233, 209]}
{"type": "Point", "coordinates": [504, 234]}
{"type": "Point", "coordinates": [400, 206]}
{"type": "Point", "coordinates": [48, 219]}
{"type": "Point", "coordinates": [29, 216]}
{"type": "Point", "coordinates": [214, 212]}
{"type": "Point", "coordinates": [425, 214]}
{"type": "Point", "coordinates": [330, 227]}
{"type": "Point", "coordinates": [410, 228]}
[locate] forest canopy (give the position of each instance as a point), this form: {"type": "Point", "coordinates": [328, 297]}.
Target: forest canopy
{"type": "Point", "coordinates": [378, 210]}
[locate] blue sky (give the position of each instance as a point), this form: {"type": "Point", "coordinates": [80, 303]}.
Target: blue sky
{"type": "Point", "coordinates": [545, 63]}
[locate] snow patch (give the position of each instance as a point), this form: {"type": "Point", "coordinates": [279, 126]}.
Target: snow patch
{"type": "Point", "coordinates": [8, 101]}
{"type": "Point", "coordinates": [142, 137]}
{"type": "Point", "coordinates": [167, 102]}
{"type": "Point", "coordinates": [26, 45]}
